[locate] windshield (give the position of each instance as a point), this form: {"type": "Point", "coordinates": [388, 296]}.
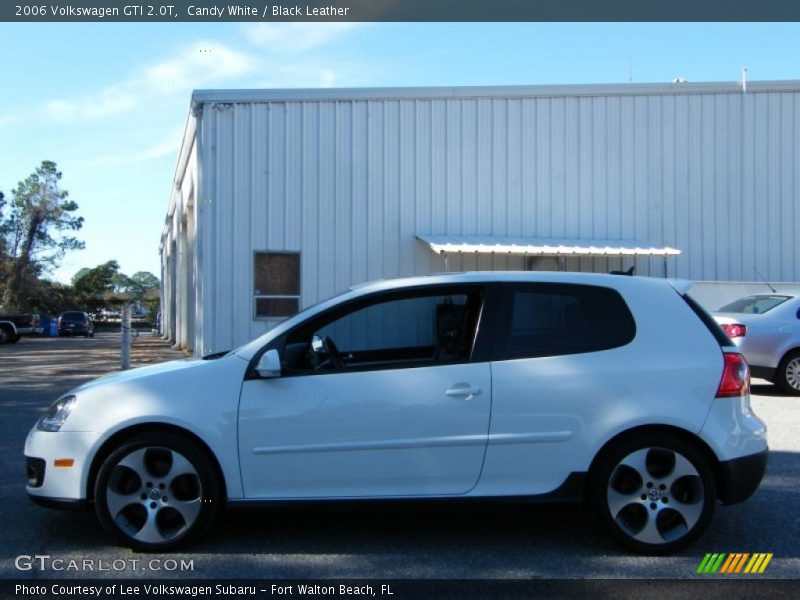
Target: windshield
{"type": "Point", "coordinates": [291, 321]}
{"type": "Point", "coordinates": [754, 305]}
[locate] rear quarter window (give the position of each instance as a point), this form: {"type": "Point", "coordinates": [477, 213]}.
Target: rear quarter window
{"type": "Point", "coordinates": [713, 327]}
{"type": "Point", "coordinates": [558, 319]}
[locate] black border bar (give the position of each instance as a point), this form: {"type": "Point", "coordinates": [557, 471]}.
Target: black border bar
{"type": "Point", "coordinates": [709, 588]}
{"type": "Point", "coordinates": [399, 10]}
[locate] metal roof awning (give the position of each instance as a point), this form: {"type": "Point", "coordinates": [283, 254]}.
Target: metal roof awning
{"type": "Point", "coordinates": [454, 244]}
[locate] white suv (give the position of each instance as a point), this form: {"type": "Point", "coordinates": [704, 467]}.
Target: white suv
{"type": "Point", "coordinates": [544, 386]}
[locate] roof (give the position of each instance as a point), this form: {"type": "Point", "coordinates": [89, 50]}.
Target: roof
{"type": "Point", "coordinates": [542, 247]}
{"type": "Point", "coordinates": [200, 97]}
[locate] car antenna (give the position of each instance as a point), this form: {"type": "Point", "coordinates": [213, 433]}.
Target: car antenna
{"type": "Point", "coordinates": [761, 277]}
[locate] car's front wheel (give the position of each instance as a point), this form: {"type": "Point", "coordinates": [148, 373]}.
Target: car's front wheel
{"type": "Point", "coordinates": [787, 377]}
{"type": "Point", "coordinates": [156, 492]}
{"type": "Point", "coordinates": [654, 493]}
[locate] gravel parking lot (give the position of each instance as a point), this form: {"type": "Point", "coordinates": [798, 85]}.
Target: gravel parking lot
{"type": "Point", "coordinates": [382, 540]}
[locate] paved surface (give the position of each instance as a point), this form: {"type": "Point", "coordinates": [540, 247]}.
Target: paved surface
{"type": "Point", "coordinates": [389, 540]}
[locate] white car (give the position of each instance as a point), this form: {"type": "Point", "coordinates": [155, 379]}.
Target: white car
{"type": "Point", "coordinates": [766, 329]}
{"type": "Point", "coordinates": [539, 386]}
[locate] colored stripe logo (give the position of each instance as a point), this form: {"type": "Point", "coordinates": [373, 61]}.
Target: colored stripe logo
{"type": "Point", "coordinates": [733, 563]}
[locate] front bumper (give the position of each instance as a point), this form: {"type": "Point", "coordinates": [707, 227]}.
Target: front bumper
{"type": "Point", "coordinates": [59, 503]}
{"type": "Point", "coordinates": [61, 484]}
{"type": "Point", "coordinates": [742, 476]}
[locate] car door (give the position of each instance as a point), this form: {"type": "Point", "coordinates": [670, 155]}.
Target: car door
{"type": "Point", "coordinates": [397, 405]}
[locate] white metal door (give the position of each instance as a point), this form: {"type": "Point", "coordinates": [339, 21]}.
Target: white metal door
{"type": "Point", "coordinates": [396, 432]}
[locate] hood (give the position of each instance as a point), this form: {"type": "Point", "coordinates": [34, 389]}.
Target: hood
{"type": "Point", "coordinates": [132, 375]}
{"type": "Point", "coordinates": [168, 392]}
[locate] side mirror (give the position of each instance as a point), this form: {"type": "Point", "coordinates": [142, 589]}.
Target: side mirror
{"type": "Point", "coordinates": [269, 365]}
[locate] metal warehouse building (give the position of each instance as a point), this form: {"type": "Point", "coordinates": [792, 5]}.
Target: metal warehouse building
{"type": "Point", "coordinates": [285, 197]}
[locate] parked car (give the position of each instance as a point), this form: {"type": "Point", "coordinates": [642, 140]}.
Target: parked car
{"type": "Point", "coordinates": [75, 322]}
{"type": "Point", "coordinates": [105, 315]}
{"type": "Point", "coordinates": [539, 386]}
{"type": "Point", "coordinates": [27, 324]}
{"type": "Point", "coordinates": [766, 329]}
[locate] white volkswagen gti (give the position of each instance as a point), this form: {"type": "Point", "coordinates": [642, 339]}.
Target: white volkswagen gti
{"type": "Point", "coordinates": [617, 390]}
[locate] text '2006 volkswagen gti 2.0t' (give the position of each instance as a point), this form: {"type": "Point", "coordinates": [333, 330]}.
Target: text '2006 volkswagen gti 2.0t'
{"type": "Point", "coordinates": [617, 390]}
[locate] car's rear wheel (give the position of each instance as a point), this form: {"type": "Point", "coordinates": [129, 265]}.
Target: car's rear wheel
{"type": "Point", "coordinates": [787, 377]}
{"type": "Point", "coordinates": [654, 493]}
{"type": "Point", "coordinates": [156, 492]}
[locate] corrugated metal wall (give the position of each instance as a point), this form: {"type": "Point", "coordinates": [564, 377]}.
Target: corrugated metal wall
{"type": "Point", "coordinates": [349, 183]}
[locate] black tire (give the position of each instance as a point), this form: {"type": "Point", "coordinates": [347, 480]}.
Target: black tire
{"type": "Point", "coordinates": [14, 339]}
{"type": "Point", "coordinates": [785, 375]}
{"type": "Point", "coordinates": [91, 335]}
{"type": "Point", "coordinates": [139, 514]}
{"type": "Point", "coordinates": [647, 523]}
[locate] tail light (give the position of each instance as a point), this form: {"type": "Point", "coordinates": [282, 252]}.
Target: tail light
{"type": "Point", "coordinates": [735, 379]}
{"type": "Point", "coordinates": [59, 321]}
{"type": "Point", "coordinates": [735, 330]}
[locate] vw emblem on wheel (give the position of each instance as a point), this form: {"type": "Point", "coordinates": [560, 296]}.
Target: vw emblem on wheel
{"type": "Point", "coordinates": [154, 493]}
{"type": "Point", "coordinates": [654, 494]}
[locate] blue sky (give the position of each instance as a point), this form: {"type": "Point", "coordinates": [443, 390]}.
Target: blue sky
{"type": "Point", "coordinates": [108, 101]}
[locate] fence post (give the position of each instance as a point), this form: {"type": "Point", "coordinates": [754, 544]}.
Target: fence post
{"type": "Point", "coordinates": [125, 344]}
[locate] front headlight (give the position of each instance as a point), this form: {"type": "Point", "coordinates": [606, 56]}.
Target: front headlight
{"type": "Point", "coordinates": [55, 416]}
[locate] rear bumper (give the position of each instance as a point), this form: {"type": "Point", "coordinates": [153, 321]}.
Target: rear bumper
{"type": "Point", "coordinates": [742, 476]}
{"type": "Point", "coordinates": [73, 330]}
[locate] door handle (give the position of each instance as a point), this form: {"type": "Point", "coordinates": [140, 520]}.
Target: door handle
{"type": "Point", "coordinates": [463, 392]}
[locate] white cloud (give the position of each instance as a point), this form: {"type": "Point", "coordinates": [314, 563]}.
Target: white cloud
{"type": "Point", "coordinates": [168, 145]}
{"type": "Point", "coordinates": [206, 63]}
{"type": "Point", "coordinates": [9, 120]}
{"type": "Point", "coordinates": [199, 64]}
{"type": "Point", "coordinates": [285, 38]}
{"type": "Point", "coordinates": [310, 74]}
{"type": "Point", "coordinates": [165, 148]}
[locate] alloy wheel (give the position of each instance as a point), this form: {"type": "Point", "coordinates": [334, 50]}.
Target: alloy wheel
{"type": "Point", "coordinates": [154, 495]}
{"type": "Point", "coordinates": [655, 495]}
{"type": "Point", "coordinates": [792, 373]}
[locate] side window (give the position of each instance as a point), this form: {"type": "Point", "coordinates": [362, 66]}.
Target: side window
{"type": "Point", "coordinates": [276, 284]}
{"type": "Point", "coordinates": [403, 330]}
{"type": "Point", "coordinates": [556, 319]}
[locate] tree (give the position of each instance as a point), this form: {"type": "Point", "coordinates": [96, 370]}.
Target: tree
{"type": "Point", "coordinates": [122, 283]}
{"type": "Point", "coordinates": [2, 240]}
{"type": "Point", "coordinates": [36, 232]}
{"type": "Point", "coordinates": [142, 282]}
{"type": "Point", "coordinates": [79, 274]}
{"type": "Point", "coordinates": [92, 285]}
{"type": "Point", "coordinates": [145, 288]}
{"type": "Point", "coordinates": [3, 251]}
